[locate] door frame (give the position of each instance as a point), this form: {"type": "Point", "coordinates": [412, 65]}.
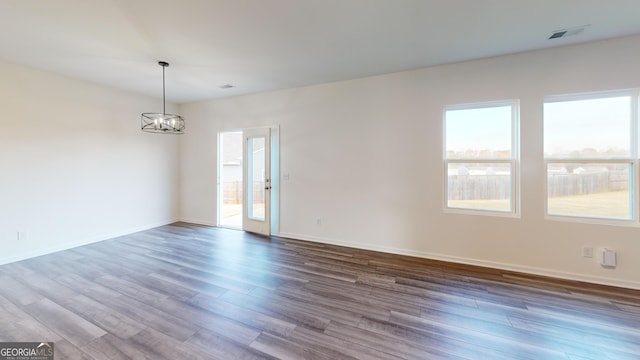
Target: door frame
{"type": "Point", "coordinates": [274, 176]}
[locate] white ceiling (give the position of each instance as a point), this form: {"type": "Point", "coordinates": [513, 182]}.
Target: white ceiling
{"type": "Point", "coordinates": [260, 45]}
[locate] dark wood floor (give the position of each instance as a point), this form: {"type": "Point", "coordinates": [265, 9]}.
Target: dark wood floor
{"type": "Point", "coordinates": [190, 292]}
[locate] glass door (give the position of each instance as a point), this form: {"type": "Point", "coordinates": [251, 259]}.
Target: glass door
{"type": "Point", "coordinates": [256, 214]}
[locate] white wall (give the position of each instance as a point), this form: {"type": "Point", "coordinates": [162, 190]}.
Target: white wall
{"type": "Point", "coordinates": [75, 167]}
{"type": "Point", "coordinates": [365, 156]}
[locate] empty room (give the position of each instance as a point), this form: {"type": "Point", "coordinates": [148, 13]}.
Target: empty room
{"type": "Point", "coordinates": [319, 179]}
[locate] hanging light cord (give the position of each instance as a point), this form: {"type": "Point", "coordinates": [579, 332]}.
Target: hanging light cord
{"type": "Point", "coordinates": [164, 105]}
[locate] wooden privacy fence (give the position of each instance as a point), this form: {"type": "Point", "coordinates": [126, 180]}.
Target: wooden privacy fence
{"type": "Point", "coordinates": [479, 187]}
{"type": "Point", "coordinates": [232, 191]}
{"type": "Point", "coordinates": [496, 187]}
{"type": "Point", "coordinates": [589, 183]}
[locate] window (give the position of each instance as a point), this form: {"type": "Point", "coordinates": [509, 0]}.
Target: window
{"type": "Point", "coordinates": [590, 155]}
{"type": "Point", "coordinates": [481, 157]}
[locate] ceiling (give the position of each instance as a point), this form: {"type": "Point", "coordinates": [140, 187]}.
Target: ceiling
{"type": "Point", "coordinates": [261, 45]}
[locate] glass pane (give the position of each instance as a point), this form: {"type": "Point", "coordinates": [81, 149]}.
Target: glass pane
{"type": "Point", "coordinates": [479, 186]}
{"type": "Point", "coordinates": [593, 128]}
{"type": "Point", "coordinates": [483, 133]}
{"type": "Point", "coordinates": [590, 190]}
{"type": "Point", "coordinates": [256, 175]}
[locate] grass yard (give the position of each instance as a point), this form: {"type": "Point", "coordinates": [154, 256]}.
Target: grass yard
{"type": "Point", "coordinates": [607, 204]}
{"type": "Point", "coordinates": [500, 205]}
{"type": "Point", "coordinates": [610, 204]}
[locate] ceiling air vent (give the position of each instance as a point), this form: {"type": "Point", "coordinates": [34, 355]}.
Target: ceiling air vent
{"type": "Point", "coordinates": [567, 32]}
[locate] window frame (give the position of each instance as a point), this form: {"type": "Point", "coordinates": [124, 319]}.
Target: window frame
{"type": "Point", "coordinates": [632, 159]}
{"type": "Point", "coordinates": [513, 161]}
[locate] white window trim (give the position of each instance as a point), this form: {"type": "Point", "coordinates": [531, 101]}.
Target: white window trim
{"type": "Point", "coordinates": [634, 94]}
{"type": "Point", "coordinates": [514, 160]}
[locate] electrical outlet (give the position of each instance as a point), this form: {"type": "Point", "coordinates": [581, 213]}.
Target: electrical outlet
{"type": "Point", "coordinates": [587, 251]}
{"type": "Point", "coordinates": [318, 221]}
{"type": "Point", "coordinates": [21, 236]}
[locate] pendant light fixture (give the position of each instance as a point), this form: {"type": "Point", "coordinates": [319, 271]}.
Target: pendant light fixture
{"type": "Point", "coordinates": [162, 122]}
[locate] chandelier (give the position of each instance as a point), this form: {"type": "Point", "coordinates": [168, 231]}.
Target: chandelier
{"type": "Point", "coordinates": [162, 122]}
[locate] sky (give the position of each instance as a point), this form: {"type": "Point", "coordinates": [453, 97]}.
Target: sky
{"type": "Point", "coordinates": [479, 129]}
{"type": "Point", "coordinates": [602, 124]}
{"type": "Point", "coordinates": [569, 126]}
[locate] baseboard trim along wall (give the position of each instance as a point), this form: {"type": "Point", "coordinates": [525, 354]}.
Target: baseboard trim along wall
{"type": "Point", "coordinates": [468, 261]}
{"type": "Point", "coordinates": [199, 222]}
{"type": "Point", "coordinates": [91, 240]}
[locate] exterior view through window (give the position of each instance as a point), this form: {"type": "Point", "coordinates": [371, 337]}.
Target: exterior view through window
{"type": "Point", "coordinates": [590, 155]}
{"type": "Point", "coordinates": [230, 184]}
{"type": "Point", "coordinates": [481, 154]}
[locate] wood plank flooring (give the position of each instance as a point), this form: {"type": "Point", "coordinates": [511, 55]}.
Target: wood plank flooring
{"type": "Point", "coordinates": [191, 292]}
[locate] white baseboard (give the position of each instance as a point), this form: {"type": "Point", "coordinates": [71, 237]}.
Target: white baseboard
{"type": "Point", "coordinates": [91, 240]}
{"type": "Point", "coordinates": [469, 261]}
{"type": "Point", "coordinates": [198, 222]}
